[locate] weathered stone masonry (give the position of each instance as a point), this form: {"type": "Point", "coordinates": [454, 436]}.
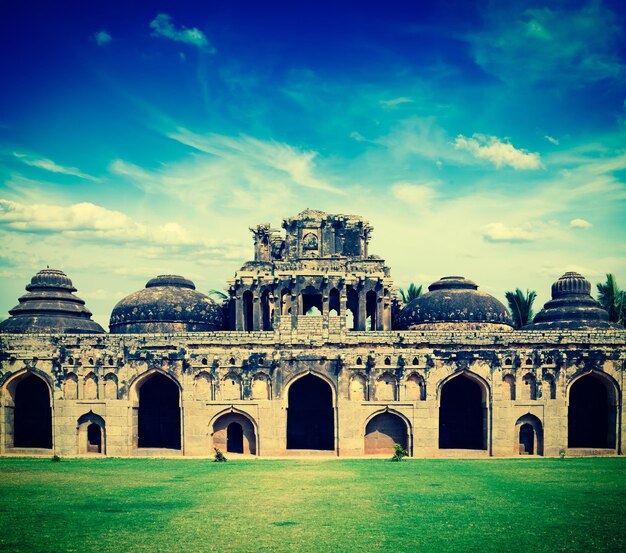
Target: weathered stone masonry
{"type": "Point", "coordinates": [309, 363]}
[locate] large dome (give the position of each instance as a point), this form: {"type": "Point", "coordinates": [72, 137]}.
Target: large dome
{"type": "Point", "coordinates": [571, 307]}
{"type": "Point", "coordinates": [454, 303]}
{"type": "Point", "coordinates": [50, 306]}
{"type": "Point", "coordinates": [168, 303]}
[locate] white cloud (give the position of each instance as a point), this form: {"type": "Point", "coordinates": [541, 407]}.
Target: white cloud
{"type": "Point", "coordinates": [102, 38]}
{"type": "Point", "coordinates": [163, 26]}
{"type": "Point", "coordinates": [499, 232]}
{"type": "Point", "coordinates": [501, 154]}
{"type": "Point", "coordinates": [395, 102]}
{"type": "Point", "coordinates": [414, 194]}
{"type": "Point", "coordinates": [552, 140]}
{"type": "Point", "coordinates": [49, 165]}
{"type": "Point", "coordinates": [580, 223]}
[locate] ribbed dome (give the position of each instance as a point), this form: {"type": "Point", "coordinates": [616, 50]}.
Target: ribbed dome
{"type": "Point", "coordinates": [50, 306]}
{"type": "Point", "coordinates": [571, 307]}
{"type": "Point", "coordinates": [455, 303]}
{"type": "Point", "coordinates": [168, 303]}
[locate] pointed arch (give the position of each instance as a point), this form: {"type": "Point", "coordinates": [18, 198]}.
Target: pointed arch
{"type": "Point", "coordinates": [261, 386]}
{"type": "Point", "coordinates": [91, 434]}
{"type": "Point", "coordinates": [358, 387]}
{"type": "Point", "coordinates": [70, 386]}
{"type": "Point", "coordinates": [529, 435]}
{"type": "Point", "coordinates": [385, 428]}
{"type": "Point", "coordinates": [226, 437]}
{"type": "Point", "coordinates": [386, 387]}
{"type": "Point", "coordinates": [90, 386]}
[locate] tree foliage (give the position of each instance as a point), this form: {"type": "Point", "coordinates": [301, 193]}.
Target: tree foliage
{"type": "Point", "coordinates": [521, 306]}
{"type": "Point", "coordinates": [612, 299]}
{"type": "Point", "coordinates": [411, 293]}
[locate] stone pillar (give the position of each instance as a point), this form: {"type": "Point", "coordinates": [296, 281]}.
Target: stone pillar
{"type": "Point", "coordinates": [256, 311]}
{"type": "Point", "coordinates": [380, 317]}
{"type": "Point", "coordinates": [362, 310]}
{"type": "Point", "coordinates": [239, 324]}
{"type": "Point", "coordinates": [343, 301]}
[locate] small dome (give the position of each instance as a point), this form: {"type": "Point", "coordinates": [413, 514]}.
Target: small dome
{"type": "Point", "coordinates": [571, 307]}
{"type": "Point", "coordinates": [50, 306]}
{"type": "Point", "coordinates": [454, 303]}
{"type": "Point", "coordinates": [168, 303]}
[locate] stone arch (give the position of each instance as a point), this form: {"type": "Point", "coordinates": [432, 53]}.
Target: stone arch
{"type": "Point", "coordinates": [110, 386]}
{"type": "Point", "coordinates": [91, 434]}
{"type": "Point", "coordinates": [311, 420]}
{"type": "Point", "coordinates": [28, 410]}
{"type": "Point", "coordinates": [224, 426]}
{"type": "Point", "coordinates": [529, 435]}
{"type": "Point", "coordinates": [371, 310]}
{"type": "Point", "coordinates": [230, 388]}
{"type": "Point", "coordinates": [529, 387]}
{"type": "Point", "coordinates": [285, 302]}
{"type": "Point", "coordinates": [247, 299]}
{"type": "Point", "coordinates": [90, 386]}
{"type": "Point", "coordinates": [386, 387]}
{"type": "Point", "coordinates": [592, 399]}
{"type": "Point", "coordinates": [334, 302]}
{"type": "Point", "coordinates": [383, 430]}
{"type": "Point", "coordinates": [261, 386]}
{"type": "Point", "coordinates": [415, 387]}
{"type": "Point", "coordinates": [358, 387]}
{"type": "Point", "coordinates": [70, 386]}
{"type": "Point", "coordinates": [508, 387]}
{"type": "Point", "coordinates": [157, 421]}
{"type": "Point", "coordinates": [464, 400]}
{"type": "Point", "coordinates": [203, 386]}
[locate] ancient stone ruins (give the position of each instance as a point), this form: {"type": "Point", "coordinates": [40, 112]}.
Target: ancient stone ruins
{"type": "Point", "coordinates": [310, 355]}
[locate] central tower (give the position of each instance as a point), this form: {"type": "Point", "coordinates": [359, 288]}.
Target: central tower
{"type": "Point", "coordinates": [320, 266]}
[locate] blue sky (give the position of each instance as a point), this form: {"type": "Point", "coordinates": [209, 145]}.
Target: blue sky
{"type": "Point", "coordinates": [480, 139]}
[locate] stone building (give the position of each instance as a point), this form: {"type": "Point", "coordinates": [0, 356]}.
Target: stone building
{"type": "Point", "coordinates": [311, 355]}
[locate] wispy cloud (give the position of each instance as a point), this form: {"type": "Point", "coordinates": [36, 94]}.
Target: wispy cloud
{"type": "Point", "coordinates": [49, 165]}
{"type": "Point", "coordinates": [102, 37]}
{"type": "Point", "coordinates": [162, 26]}
{"type": "Point", "coordinates": [551, 140]}
{"type": "Point", "coordinates": [494, 150]}
{"type": "Point", "coordinates": [395, 102]}
{"type": "Point", "coordinates": [563, 46]}
{"type": "Point", "coordinates": [418, 195]}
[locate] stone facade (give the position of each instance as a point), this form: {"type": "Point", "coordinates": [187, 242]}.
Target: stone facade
{"type": "Point", "coordinates": [312, 383]}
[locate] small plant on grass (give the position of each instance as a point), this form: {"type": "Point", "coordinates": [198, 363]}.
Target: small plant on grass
{"type": "Point", "coordinates": [219, 456]}
{"type": "Point", "coordinates": [562, 453]}
{"type": "Point", "coordinates": [399, 453]}
{"type": "Point", "coordinates": [56, 458]}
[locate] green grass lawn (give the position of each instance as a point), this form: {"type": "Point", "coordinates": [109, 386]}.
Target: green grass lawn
{"type": "Point", "coordinates": [319, 505]}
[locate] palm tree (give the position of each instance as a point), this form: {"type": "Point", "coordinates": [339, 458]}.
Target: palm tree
{"type": "Point", "coordinates": [218, 296]}
{"type": "Point", "coordinates": [521, 306]}
{"type": "Point", "coordinates": [411, 293]}
{"type": "Point", "coordinates": [612, 299]}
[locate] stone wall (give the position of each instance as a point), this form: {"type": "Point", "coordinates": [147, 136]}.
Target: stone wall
{"type": "Point", "coordinates": [246, 376]}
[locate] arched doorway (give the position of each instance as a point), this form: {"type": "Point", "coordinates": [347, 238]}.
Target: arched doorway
{"type": "Point", "coordinates": [94, 438]}
{"type": "Point", "coordinates": [159, 413]}
{"type": "Point", "coordinates": [91, 434]}
{"type": "Point", "coordinates": [463, 414]}
{"type": "Point", "coordinates": [384, 431]}
{"type": "Point", "coordinates": [234, 438]}
{"type": "Point", "coordinates": [234, 433]}
{"type": "Point", "coordinates": [310, 415]}
{"type": "Point", "coordinates": [32, 414]}
{"type": "Point", "coordinates": [591, 414]}
{"type": "Point", "coordinates": [529, 432]}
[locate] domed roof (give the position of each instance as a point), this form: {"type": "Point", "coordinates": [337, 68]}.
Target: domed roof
{"type": "Point", "coordinates": [50, 306]}
{"type": "Point", "coordinates": [454, 303]}
{"type": "Point", "coordinates": [168, 303]}
{"type": "Point", "coordinates": [571, 307]}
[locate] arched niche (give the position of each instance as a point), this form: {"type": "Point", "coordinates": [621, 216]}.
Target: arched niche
{"type": "Point", "coordinates": [508, 387]}
{"type": "Point", "coordinates": [110, 386]}
{"type": "Point", "coordinates": [260, 387]}
{"type": "Point", "coordinates": [386, 387]}
{"type": "Point", "coordinates": [70, 386]}
{"type": "Point", "coordinates": [234, 432]}
{"type": "Point", "coordinates": [464, 412]}
{"type": "Point", "coordinates": [529, 435]}
{"type": "Point", "coordinates": [415, 388]}
{"type": "Point", "coordinates": [230, 388]}
{"type": "Point", "coordinates": [203, 387]}
{"type": "Point", "coordinates": [383, 431]}
{"type": "Point", "coordinates": [358, 388]}
{"type": "Point", "coordinates": [90, 386]}
{"type": "Point", "coordinates": [91, 434]}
